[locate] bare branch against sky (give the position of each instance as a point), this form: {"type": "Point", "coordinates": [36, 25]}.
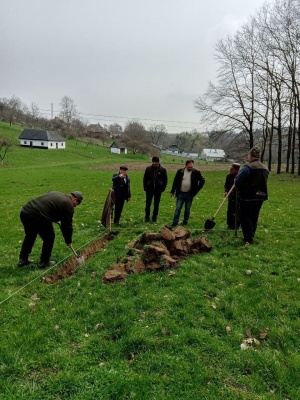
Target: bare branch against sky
{"type": "Point", "coordinates": [118, 60]}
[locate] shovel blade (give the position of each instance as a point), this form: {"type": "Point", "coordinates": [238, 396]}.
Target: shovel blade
{"type": "Point", "coordinates": [79, 260]}
{"type": "Point", "coordinates": [209, 224]}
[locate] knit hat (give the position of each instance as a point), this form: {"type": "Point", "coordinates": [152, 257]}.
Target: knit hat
{"type": "Point", "coordinates": [78, 196]}
{"type": "Point", "coordinates": [255, 152]}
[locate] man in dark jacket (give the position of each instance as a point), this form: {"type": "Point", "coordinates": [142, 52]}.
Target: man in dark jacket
{"type": "Point", "coordinates": [121, 188]}
{"type": "Point", "coordinates": [37, 217]}
{"type": "Point", "coordinates": [155, 181]}
{"type": "Point", "coordinates": [233, 217]}
{"type": "Point", "coordinates": [251, 182]}
{"type": "Point", "coordinates": [187, 183]}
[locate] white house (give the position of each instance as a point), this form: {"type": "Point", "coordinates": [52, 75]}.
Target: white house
{"type": "Point", "coordinates": [114, 148]}
{"type": "Point", "coordinates": [213, 155]}
{"type": "Point", "coordinates": [42, 139]}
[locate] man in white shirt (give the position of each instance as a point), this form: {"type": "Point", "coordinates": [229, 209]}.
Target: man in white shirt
{"type": "Point", "coordinates": [187, 183]}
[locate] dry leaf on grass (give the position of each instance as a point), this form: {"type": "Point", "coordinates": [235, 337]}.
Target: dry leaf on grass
{"type": "Point", "coordinates": [264, 333]}
{"type": "Point", "coordinates": [249, 342]}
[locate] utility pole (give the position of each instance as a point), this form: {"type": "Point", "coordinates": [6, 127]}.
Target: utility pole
{"type": "Point", "coordinates": [51, 110]}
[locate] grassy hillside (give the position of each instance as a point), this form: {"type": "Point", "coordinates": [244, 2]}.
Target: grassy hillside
{"type": "Point", "coordinates": [156, 335]}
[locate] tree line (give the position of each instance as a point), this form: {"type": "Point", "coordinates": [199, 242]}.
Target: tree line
{"type": "Point", "coordinates": [256, 98]}
{"type": "Point", "coordinates": [71, 125]}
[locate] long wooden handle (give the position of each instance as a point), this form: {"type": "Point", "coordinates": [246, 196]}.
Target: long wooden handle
{"type": "Point", "coordinates": [74, 251]}
{"type": "Point", "coordinates": [228, 194]}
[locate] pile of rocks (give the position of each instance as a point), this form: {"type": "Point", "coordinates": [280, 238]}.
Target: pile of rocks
{"type": "Point", "coordinates": [156, 251]}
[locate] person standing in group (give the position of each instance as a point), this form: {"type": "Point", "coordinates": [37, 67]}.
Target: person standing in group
{"type": "Point", "coordinates": [233, 202]}
{"type": "Point", "coordinates": [187, 183]}
{"type": "Point", "coordinates": [155, 182]}
{"type": "Point", "coordinates": [121, 188]}
{"type": "Point", "coordinates": [251, 183]}
{"type": "Point", "coordinates": [37, 217]}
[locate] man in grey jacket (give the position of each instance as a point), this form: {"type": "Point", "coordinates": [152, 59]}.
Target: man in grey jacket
{"type": "Point", "coordinates": [37, 217]}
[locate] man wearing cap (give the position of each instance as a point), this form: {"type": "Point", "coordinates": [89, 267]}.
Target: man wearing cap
{"type": "Point", "coordinates": [251, 182]}
{"type": "Point", "coordinates": [155, 181]}
{"type": "Point", "coordinates": [121, 188]}
{"type": "Point", "coordinates": [37, 217]}
{"type": "Point", "coordinates": [233, 203]}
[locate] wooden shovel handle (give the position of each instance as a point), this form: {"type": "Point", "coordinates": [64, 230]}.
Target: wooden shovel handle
{"type": "Point", "coordinates": [233, 186]}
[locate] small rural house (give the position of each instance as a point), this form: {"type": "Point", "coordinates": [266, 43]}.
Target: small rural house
{"type": "Point", "coordinates": [114, 148]}
{"type": "Point", "coordinates": [172, 150]}
{"type": "Point", "coordinates": [213, 155]}
{"type": "Point", "coordinates": [42, 139]}
{"type": "Point", "coordinates": [96, 129]}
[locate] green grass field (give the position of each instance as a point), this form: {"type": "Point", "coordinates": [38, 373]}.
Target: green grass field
{"type": "Point", "coordinates": [155, 336]}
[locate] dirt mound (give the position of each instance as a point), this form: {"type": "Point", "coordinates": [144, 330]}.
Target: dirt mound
{"type": "Point", "coordinates": [156, 251]}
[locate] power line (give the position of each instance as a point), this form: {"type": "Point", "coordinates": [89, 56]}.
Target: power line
{"type": "Point", "coordinates": [103, 118]}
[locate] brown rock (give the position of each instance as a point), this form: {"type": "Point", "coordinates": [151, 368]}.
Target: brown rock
{"type": "Point", "coordinates": [168, 262]}
{"type": "Point", "coordinates": [166, 234]}
{"type": "Point", "coordinates": [137, 267]}
{"type": "Point", "coordinates": [113, 276]}
{"type": "Point", "coordinates": [152, 253]}
{"type": "Point", "coordinates": [154, 266]}
{"type": "Point", "coordinates": [181, 233]}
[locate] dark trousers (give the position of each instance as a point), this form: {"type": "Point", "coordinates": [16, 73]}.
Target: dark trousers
{"type": "Point", "coordinates": [233, 213]}
{"type": "Point", "coordinates": [150, 194]}
{"type": "Point", "coordinates": [33, 228]}
{"type": "Point", "coordinates": [119, 204]}
{"type": "Point", "coordinates": [249, 213]}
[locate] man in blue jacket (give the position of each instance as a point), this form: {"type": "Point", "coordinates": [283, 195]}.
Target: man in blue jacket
{"type": "Point", "coordinates": [251, 183]}
{"type": "Point", "coordinates": [187, 183]}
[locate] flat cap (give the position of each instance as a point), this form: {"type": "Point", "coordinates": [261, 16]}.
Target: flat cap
{"type": "Point", "coordinates": [78, 196]}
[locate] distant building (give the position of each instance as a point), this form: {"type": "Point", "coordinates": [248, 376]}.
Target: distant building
{"type": "Point", "coordinates": [96, 128]}
{"type": "Point", "coordinates": [213, 155]}
{"type": "Point", "coordinates": [114, 148]}
{"type": "Point", "coordinates": [42, 139]}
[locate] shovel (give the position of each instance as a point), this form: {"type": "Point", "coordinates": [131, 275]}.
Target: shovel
{"type": "Point", "coordinates": [79, 259]}
{"type": "Point", "coordinates": [210, 223]}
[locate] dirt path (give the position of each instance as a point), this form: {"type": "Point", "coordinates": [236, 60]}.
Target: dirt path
{"type": "Point", "coordinates": [140, 167]}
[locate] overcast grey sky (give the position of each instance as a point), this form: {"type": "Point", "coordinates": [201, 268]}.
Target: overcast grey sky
{"type": "Point", "coordinates": [145, 59]}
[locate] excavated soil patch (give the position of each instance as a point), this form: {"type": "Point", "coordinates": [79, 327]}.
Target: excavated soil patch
{"type": "Point", "coordinates": [68, 269]}
{"type": "Point", "coordinates": [156, 251]}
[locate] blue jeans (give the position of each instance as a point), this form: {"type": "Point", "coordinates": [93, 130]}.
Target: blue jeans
{"type": "Point", "coordinates": [186, 199]}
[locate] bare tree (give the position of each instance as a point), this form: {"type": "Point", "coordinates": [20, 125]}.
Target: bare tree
{"type": "Point", "coordinates": [157, 133]}
{"type": "Point", "coordinates": [68, 110]}
{"type": "Point", "coordinates": [229, 106]}
{"type": "Point", "coordinates": [12, 109]}
{"type": "Point", "coordinates": [115, 130]}
{"type": "Point", "coordinates": [136, 138]}
{"type": "Point", "coordinates": [4, 146]}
